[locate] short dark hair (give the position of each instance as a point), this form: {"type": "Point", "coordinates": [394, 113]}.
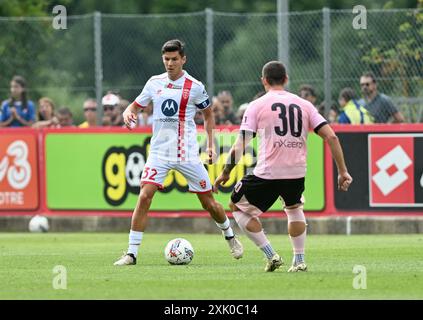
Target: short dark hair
{"type": "Point", "coordinates": [369, 74]}
{"type": "Point", "coordinates": [274, 72]}
{"type": "Point", "coordinates": [347, 93]}
{"type": "Point", "coordinates": [64, 111]}
{"type": "Point", "coordinates": [174, 45]}
{"type": "Point", "coordinates": [308, 88]}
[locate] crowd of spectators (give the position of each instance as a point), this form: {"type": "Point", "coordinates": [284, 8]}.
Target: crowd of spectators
{"type": "Point", "coordinates": [19, 111]}
{"type": "Point", "coordinates": [374, 107]}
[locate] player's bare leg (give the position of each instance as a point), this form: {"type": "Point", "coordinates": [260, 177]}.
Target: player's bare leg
{"type": "Point", "coordinates": [218, 214]}
{"type": "Point", "coordinates": [297, 229]}
{"type": "Point", "coordinates": [138, 224]}
{"type": "Point", "coordinates": [252, 227]}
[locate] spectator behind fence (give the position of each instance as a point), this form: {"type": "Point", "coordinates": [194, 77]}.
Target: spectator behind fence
{"type": "Point", "coordinates": [225, 98]}
{"type": "Point", "coordinates": [110, 103]}
{"type": "Point", "coordinates": [351, 111]}
{"type": "Point", "coordinates": [308, 93]}
{"type": "Point", "coordinates": [332, 116]}
{"type": "Point", "coordinates": [46, 116]}
{"type": "Point", "coordinates": [219, 113]}
{"type": "Point", "coordinates": [64, 117]}
{"type": "Point", "coordinates": [379, 105]}
{"type": "Point", "coordinates": [241, 111]}
{"type": "Point", "coordinates": [198, 118]}
{"type": "Point", "coordinates": [17, 111]}
{"type": "Point", "coordinates": [90, 114]}
{"type": "Point", "coordinates": [123, 104]}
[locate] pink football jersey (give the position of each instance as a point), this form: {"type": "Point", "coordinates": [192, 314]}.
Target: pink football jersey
{"type": "Point", "coordinates": [282, 121]}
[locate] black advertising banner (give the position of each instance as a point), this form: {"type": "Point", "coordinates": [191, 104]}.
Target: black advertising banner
{"type": "Point", "coordinates": [418, 167]}
{"type": "Point", "coordinates": [387, 171]}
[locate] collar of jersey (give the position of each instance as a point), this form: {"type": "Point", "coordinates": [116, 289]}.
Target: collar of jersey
{"type": "Point", "coordinates": [181, 77]}
{"type": "Point", "coordinates": [277, 90]}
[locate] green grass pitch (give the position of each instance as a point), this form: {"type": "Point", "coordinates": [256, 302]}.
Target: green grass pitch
{"type": "Point", "coordinates": [394, 268]}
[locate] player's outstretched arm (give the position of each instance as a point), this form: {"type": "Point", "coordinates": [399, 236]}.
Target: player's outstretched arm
{"type": "Point", "coordinates": [130, 116]}
{"type": "Point", "coordinates": [235, 154]}
{"type": "Point", "coordinates": [344, 178]}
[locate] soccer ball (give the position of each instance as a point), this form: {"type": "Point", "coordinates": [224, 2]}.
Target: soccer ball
{"type": "Point", "coordinates": [179, 251]}
{"type": "Point", "coordinates": [38, 224]}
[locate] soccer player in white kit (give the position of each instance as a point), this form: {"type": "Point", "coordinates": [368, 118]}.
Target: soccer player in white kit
{"type": "Point", "coordinates": [176, 96]}
{"type": "Point", "coordinates": [281, 120]}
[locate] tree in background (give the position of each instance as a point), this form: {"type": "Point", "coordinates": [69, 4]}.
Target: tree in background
{"type": "Point", "coordinates": [60, 64]}
{"type": "Point", "coordinates": [404, 60]}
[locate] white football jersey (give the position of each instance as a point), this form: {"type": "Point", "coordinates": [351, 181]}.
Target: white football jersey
{"type": "Point", "coordinates": [174, 106]}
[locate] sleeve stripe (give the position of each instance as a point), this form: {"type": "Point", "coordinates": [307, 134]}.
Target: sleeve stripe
{"type": "Point", "coordinates": [138, 105]}
{"type": "Point", "coordinates": [320, 125]}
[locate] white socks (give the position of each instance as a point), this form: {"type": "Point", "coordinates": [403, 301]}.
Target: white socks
{"type": "Point", "coordinates": [226, 228]}
{"type": "Point", "coordinates": [135, 238]}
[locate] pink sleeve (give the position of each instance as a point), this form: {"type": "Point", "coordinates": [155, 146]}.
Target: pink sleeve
{"type": "Point", "coordinates": [249, 120]}
{"type": "Point", "coordinates": [316, 120]}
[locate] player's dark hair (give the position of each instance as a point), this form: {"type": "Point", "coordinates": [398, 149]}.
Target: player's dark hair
{"type": "Point", "coordinates": [369, 74]}
{"type": "Point", "coordinates": [274, 72]}
{"type": "Point", "coordinates": [309, 89]}
{"type": "Point", "coordinates": [23, 98]}
{"type": "Point", "coordinates": [347, 93]}
{"type": "Point", "coordinates": [174, 45]}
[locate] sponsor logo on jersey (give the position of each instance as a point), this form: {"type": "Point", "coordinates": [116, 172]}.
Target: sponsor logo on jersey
{"type": "Point", "coordinates": [172, 86]}
{"type": "Point", "coordinates": [168, 120]}
{"type": "Point", "coordinates": [288, 144]}
{"type": "Point", "coordinates": [169, 107]}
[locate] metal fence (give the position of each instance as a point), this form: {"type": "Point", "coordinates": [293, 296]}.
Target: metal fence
{"type": "Point", "coordinates": [101, 52]}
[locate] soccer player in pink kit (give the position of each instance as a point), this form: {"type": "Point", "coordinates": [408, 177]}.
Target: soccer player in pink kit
{"type": "Point", "coordinates": [176, 97]}
{"type": "Point", "coordinates": [282, 121]}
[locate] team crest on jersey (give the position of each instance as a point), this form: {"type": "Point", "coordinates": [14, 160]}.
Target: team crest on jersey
{"type": "Point", "coordinates": [203, 184]}
{"type": "Point", "coordinates": [169, 107]}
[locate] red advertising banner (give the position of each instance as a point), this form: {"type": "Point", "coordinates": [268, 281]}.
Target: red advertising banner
{"type": "Point", "coordinates": [18, 171]}
{"type": "Point", "coordinates": [392, 170]}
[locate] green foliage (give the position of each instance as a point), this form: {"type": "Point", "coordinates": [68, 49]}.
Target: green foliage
{"type": "Point", "coordinates": [403, 60]}
{"type": "Point", "coordinates": [60, 63]}
{"type": "Point", "coordinates": [244, 56]}
{"type": "Point", "coordinates": [17, 8]}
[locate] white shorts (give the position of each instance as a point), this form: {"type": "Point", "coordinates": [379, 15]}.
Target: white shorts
{"type": "Point", "coordinates": [155, 172]}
